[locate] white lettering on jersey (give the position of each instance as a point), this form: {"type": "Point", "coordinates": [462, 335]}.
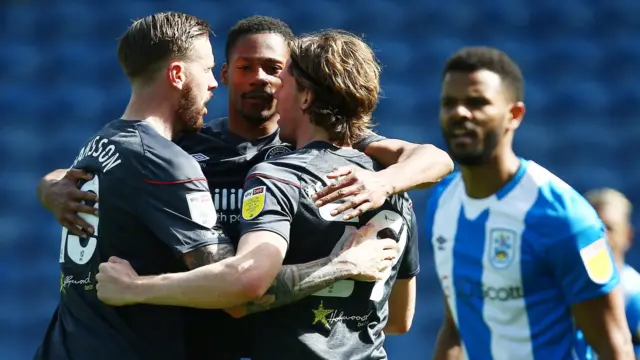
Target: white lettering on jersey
{"type": "Point", "coordinates": [227, 199]}
{"type": "Point", "coordinates": [103, 151]}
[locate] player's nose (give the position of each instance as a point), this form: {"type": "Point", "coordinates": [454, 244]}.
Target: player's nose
{"type": "Point", "coordinates": [213, 84]}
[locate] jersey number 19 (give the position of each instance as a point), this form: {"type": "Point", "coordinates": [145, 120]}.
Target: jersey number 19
{"type": "Point", "coordinates": [70, 244]}
{"type": "Point", "coordinates": [382, 220]}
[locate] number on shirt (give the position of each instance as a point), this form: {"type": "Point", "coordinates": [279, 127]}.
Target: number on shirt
{"type": "Point", "coordinates": [382, 220]}
{"type": "Point", "coordinates": [70, 244]}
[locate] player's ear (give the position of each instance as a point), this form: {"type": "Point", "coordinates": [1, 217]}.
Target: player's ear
{"type": "Point", "coordinates": [177, 74]}
{"type": "Point", "coordinates": [517, 113]}
{"type": "Point", "coordinates": [306, 97]}
{"type": "Point", "coordinates": [224, 74]}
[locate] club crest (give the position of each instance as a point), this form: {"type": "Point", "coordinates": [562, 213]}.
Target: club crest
{"type": "Point", "coordinates": [502, 247]}
{"type": "Point", "coordinates": [276, 151]}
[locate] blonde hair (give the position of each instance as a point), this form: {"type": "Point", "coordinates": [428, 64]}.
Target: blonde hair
{"type": "Point", "coordinates": [607, 196]}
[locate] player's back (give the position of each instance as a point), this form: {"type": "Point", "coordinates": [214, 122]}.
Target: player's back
{"type": "Point", "coordinates": [512, 264]}
{"type": "Point", "coordinates": [128, 159]}
{"type": "Point", "coordinates": [345, 320]}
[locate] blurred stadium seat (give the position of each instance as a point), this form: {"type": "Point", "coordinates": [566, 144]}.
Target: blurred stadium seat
{"type": "Point", "coordinates": [61, 82]}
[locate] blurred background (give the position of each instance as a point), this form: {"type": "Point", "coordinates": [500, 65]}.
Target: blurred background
{"type": "Point", "coordinates": [60, 83]}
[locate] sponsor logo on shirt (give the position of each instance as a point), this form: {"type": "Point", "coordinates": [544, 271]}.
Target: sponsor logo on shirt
{"type": "Point", "coordinates": [328, 317]}
{"type": "Point", "coordinates": [201, 208]}
{"type": "Point", "coordinates": [475, 290]}
{"type": "Point", "coordinates": [228, 203]}
{"type": "Point", "coordinates": [70, 280]}
{"type": "Point", "coordinates": [253, 202]}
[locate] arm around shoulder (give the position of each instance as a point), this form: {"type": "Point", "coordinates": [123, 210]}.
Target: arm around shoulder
{"type": "Point", "coordinates": [416, 166]}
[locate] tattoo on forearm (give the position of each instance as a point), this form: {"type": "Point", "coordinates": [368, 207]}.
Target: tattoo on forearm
{"type": "Point", "coordinates": [295, 282]}
{"type": "Point", "coordinates": [208, 255]}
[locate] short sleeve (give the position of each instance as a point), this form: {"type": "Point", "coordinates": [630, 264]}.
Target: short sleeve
{"type": "Point", "coordinates": [583, 264]}
{"type": "Point", "coordinates": [432, 205]}
{"type": "Point", "coordinates": [410, 265]}
{"type": "Point", "coordinates": [632, 310]}
{"type": "Point", "coordinates": [177, 206]}
{"type": "Point", "coordinates": [368, 138]}
{"type": "Point", "coordinates": [269, 201]}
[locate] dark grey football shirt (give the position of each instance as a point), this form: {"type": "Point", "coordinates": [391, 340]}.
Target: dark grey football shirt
{"type": "Point", "coordinates": [226, 159]}
{"type": "Point", "coordinates": [155, 205]}
{"type": "Point", "coordinates": [344, 321]}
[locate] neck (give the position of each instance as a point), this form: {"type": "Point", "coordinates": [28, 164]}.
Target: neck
{"type": "Point", "coordinates": [149, 107]}
{"type": "Point", "coordinates": [482, 181]}
{"type": "Point", "coordinates": [309, 133]}
{"type": "Point", "coordinates": [248, 130]}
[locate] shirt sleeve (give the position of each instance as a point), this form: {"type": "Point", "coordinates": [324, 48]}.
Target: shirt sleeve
{"type": "Point", "coordinates": [177, 206]}
{"type": "Point", "coordinates": [369, 138]}
{"type": "Point", "coordinates": [583, 264]}
{"type": "Point", "coordinates": [270, 200]}
{"type": "Point", "coordinates": [410, 265]}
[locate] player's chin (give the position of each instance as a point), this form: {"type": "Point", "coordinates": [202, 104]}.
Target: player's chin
{"type": "Point", "coordinates": [468, 158]}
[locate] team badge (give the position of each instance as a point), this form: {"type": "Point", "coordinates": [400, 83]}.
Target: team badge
{"type": "Point", "coordinates": [502, 243]}
{"type": "Point", "coordinates": [276, 151]}
{"type": "Point", "coordinates": [253, 202]}
{"type": "Point", "coordinates": [597, 261]}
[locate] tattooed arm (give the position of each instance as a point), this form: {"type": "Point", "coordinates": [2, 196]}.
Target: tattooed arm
{"type": "Point", "coordinates": [295, 282]}
{"type": "Point", "coordinates": [292, 283]}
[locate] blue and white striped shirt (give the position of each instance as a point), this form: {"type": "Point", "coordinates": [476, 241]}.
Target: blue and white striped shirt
{"type": "Point", "coordinates": [510, 265]}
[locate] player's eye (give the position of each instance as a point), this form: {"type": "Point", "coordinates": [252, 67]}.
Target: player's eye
{"type": "Point", "coordinates": [477, 102]}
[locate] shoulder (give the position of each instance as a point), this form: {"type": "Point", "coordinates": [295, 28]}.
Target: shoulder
{"type": "Point", "coordinates": [215, 127]}
{"type": "Point", "coordinates": [443, 189]}
{"type": "Point", "coordinates": [367, 139]}
{"type": "Point", "coordinates": [282, 169]}
{"type": "Point", "coordinates": [210, 133]}
{"type": "Point", "coordinates": [163, 160]}
{"type": "Point", "coordinates": [559, 210]}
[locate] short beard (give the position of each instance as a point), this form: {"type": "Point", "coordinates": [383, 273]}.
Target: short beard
{"type": "Point", "coordinates": [189, 114]}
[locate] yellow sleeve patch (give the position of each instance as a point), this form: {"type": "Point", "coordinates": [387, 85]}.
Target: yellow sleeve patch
{"type": "Point", "coordinates": [253, 202]}
{"type": "Point", "coordinates": [597, 261]}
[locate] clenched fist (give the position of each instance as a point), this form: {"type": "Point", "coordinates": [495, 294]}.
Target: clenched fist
{"type": "Point", "coordinates": [116, 282]}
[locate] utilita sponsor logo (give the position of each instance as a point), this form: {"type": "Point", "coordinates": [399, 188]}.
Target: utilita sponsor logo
{"type": "Point", "coordinates": [228, 203]}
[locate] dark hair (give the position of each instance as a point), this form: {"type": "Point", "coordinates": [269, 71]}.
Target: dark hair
{"type": "Point", "coordinates": [343, 75]}
{"type": "Point", "coordinates": [155, 38]}
{"type": "Point", "coordinates": [471, 59]}
{"type": "Point", "coordinates": [257, 25]}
